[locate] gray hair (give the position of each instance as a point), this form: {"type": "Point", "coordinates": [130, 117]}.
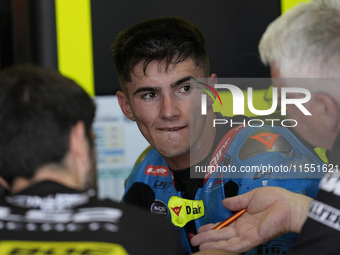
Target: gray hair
{"type": "Point", "coordinates": [305, 41]}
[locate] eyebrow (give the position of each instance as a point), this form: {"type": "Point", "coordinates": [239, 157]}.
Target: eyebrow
{"type": "Point", "coordinates": [172, 85]}
{"type": "Point", "coordinates": [143, 89]}
{"type": "Point", "coordinates": [180, 81]}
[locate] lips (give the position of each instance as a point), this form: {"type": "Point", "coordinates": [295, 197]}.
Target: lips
{"type": "Point", "coordinates": [171, 129]}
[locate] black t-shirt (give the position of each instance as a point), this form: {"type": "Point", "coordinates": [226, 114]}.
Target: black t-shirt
{"type": "Point", "coordinates": [49, 218]}
{"type": "Point", "coordinates": [321, 232]}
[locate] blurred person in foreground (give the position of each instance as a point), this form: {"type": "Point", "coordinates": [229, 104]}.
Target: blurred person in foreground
{"type": "Point", "coordinates": [303, 43]}
{"type": "Point", "coordinates": [48, 163]}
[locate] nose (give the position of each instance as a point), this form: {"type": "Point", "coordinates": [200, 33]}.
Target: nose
{"type": "Point", "coordinates": [169, 107]}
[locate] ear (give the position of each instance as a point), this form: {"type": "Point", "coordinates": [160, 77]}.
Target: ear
{"type": "Point", "coordinates": [274, 70]}
{"type": "Point", "coordinates": [212, 79]}
{"type": "Point", "coordinates": [212, 82]}
{"type": "Point", "coordinates": [327, 109]}
{"type": "Point", "coordinates": [79, 153]}
{"type": "Point", "coordinates": [3, 183]}
{"type": "Point", "coordinates": [125, 106]}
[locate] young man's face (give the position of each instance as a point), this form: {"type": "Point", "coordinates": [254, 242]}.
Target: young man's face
{"type": "Point", "coordinates": [159, 101]}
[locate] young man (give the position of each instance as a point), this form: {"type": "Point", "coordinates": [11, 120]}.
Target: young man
{"type": "Point", "coordinates": [155, 61]}
{"type": "Point", "coordinates": [48, 164]}
{"type": "Point", "coordinates": [303, 43]}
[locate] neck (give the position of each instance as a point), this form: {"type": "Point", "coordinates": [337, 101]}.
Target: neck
{"type": "Point", "coordinates": [50, 173]}
{"type": "Point", "coordinates": [179, 162]}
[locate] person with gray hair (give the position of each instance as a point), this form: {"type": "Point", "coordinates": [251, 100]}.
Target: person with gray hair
{"type": "Point", "coordinates": [303, 43]}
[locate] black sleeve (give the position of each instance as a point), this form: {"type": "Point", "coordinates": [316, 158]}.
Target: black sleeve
{"type": "Point", "coordinates": [140, 195]}
{"type": "Point", "coordinates": [321, 232]}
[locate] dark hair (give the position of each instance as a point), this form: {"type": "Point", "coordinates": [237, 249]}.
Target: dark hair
{"type": "Point", "coordinates": [38, 109]}
{"type": "Point", "coordinates": [169, 40]}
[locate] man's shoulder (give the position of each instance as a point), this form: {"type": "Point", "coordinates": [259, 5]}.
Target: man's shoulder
{"type": "Point", "coordinates": [251, 141]}
{"type": "Point", "coordinates": [152, 162]}
{"type": "Point", "coordinates": [149, 154]}
{"type": "Point", "coordinates": [271, 146]}
{"type": "Point", "coordinates": [149, 167]}
{"type": "Point", "coordinates": [258, 140]}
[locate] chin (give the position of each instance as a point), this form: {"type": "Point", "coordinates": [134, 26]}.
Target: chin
{"type": "Point", "coordinates": [173, 153]}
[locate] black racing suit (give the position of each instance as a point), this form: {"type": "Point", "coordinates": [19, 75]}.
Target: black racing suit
{"type": "Point", "coordinates": [321, 232]}
{"type": "Point", "coordinates": [49, 218]}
